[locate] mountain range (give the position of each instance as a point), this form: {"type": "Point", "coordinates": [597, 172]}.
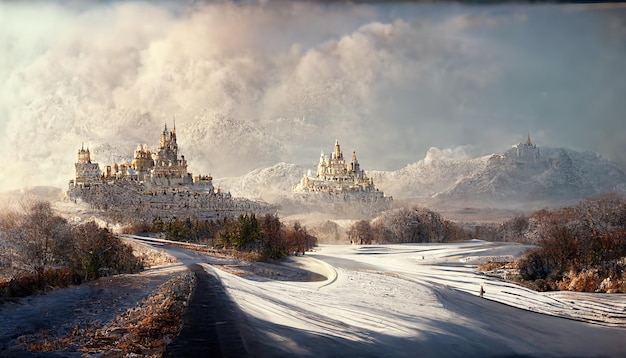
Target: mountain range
{"type": "Point", "coordinates": [555, 175]}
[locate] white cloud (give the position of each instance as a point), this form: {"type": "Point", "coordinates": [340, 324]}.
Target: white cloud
{"type": "Point", "coordinates": [252, 84]}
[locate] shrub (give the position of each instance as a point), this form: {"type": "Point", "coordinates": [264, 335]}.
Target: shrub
{"type": "Point", "coordinates": [584, 281]}
{"type": "Point", "coordinates": [581, 248]}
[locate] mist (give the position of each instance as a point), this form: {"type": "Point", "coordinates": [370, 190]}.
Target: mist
{"type": "Point", "coordinates": [251, 84]}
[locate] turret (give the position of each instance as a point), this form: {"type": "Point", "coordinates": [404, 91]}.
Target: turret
{"type": "Point", "coordinates": [164, 136]}
{"type": "Point", "coordinates": [354, 164]}
{"type": "Point", "coordinates": [83, 155]}
{"type": "Point", "coordinates": [338, 155]}
{"type": "Point", "coordinates": [87, 173]}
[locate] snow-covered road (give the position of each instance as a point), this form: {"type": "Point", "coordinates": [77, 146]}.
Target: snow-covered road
{"type": "Point", "coordinates": [422, 300]}
{"type": "Point", "coordinates": [418, 300]}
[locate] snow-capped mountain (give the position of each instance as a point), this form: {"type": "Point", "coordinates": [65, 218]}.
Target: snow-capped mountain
{"type": "Point", "coordinates": [556, 174]}
{"type": "Point", "coordinates": [437, 172]}
{"type": "Point", "coordinates": [267, 184]}
{"type": "Point", "coordinates": [553, 174]}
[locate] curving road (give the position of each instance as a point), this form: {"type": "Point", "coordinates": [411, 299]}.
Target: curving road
{"type": "Point", "coordinates": [213, 325]}
{"type": "Point", "coordinates": [377, 305]}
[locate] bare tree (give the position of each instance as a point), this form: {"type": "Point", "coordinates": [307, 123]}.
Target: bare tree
{"type": "Point", "coordinates": [361, 233]}
{"type": "Point", "coordinates": [39, 236]}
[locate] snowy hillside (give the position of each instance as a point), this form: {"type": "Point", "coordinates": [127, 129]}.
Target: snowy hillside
{"type": "Point", "coordinates": [267, 184]}
{"type": "Point", "coordinates": [437, 172]}
{"type": "Point", "coordinates": [557, 175]}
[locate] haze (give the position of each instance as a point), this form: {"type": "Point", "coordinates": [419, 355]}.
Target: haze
{"type": "Point", "coordinates": [253, 84]}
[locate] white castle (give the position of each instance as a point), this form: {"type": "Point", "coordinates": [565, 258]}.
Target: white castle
{"type": "Point", "coordinates": [336, 176]}
{"type": "Point", "coordinates": [160, 167]}
{"type": "Point", "coordinates": [155, 184]}
{"type": "Point", "coordinates": [526, 150]}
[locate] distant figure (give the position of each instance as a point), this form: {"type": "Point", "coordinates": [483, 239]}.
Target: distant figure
{"type": "Point", "coordinates": [481, 292]}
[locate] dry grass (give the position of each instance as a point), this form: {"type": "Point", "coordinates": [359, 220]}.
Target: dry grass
{"type": "Point", "coordinates": [143, 330]}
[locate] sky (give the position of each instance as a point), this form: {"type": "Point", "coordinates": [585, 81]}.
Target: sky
{"type": "Point", "coordinates": [254, 83]}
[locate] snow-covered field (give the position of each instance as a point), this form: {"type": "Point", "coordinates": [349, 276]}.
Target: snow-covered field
{"type": "Point", "coordinates": [422, 300]}
{"type": "Point", "coordinates": [413, 300]}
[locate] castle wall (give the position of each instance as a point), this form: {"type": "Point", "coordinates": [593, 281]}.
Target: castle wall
{"type": "Point", "coordinates": [121, 200]}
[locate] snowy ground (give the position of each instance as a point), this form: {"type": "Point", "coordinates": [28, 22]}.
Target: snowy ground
{"type": "Point", "coordinates": [422, 300]}
{"type": "Point", "coordinates": [372, 301]}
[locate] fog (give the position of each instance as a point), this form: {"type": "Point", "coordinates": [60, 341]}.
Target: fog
{"type": "Point", "coordinates": [251, 84]}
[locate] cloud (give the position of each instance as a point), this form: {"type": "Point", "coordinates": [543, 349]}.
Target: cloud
{"type": "Point", "coordinates": [255, 83]}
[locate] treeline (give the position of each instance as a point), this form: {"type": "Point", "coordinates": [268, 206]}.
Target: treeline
{"type": "Point", "coordinates": [580, 248]}
{"type": "Point", "coordinates": [41, 249]}
{"type": "Point", "coordinates": [255, 239]}
{"type": "Point", "coordinates": [417, 225]}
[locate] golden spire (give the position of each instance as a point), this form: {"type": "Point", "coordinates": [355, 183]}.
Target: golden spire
{"type": "Point", "coordinates": [338, 150]}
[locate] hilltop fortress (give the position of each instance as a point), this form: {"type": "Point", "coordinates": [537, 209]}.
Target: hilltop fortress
{"type": "Point", "coordinates": [154, 185]}
{"type": "Point", "coordinates": [527, 151]}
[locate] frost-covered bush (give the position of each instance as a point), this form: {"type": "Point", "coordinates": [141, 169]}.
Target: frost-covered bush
{"type": "Point", "coordinates": [579, 247]}
{"type": "Point", "coordinates": [48, 251]}
{"type": "Point", "coordinates": [410, 225]}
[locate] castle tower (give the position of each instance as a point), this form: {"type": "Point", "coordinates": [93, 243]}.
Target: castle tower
{"type": "Point", "coordinates": [83, 155]}
{"type": "Point", "coordinates": [354, 164]}
{"type": "Point", "coordinates": [322, 165]}
{"type": "Point", "coordinates": [338, 155]}
{"type": "Point", "coordinates": [164, 136]}
{"type": "Point", "coordinates": [87, 173]}
{"type": "Point", "coordinates": [528, 142]}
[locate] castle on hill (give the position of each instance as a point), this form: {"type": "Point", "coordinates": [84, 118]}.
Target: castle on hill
{"type": "Point", "coordinates": [527, 150]}
{"type": "Point", "coordinates": [160, 167]}
{"type": "Point", "coordinates": [155, 184]}
{"type": "Point", "coordinates": [346, 180]}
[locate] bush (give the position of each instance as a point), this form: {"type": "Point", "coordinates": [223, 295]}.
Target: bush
{"type": "Point", "coordinates": [22, 285]}
{"type": "Point", "coordinates": [534, 266]}
{"type": "Point", "coordinates": [584, 281]}
{"type": "Point", "coordinates": [581, 248]}
{"type": "Point", "coordinates": [52, 253]}
{"type": "Point", "coordinates": [97, 253]}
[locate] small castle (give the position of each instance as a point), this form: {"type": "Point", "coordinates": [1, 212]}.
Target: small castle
{"type": "Point", "coordinates": [526, 150]}
{"type": "Point", "coordinates": [155, 184]}
{"type": "Point", "coordinates": [341, 182]}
